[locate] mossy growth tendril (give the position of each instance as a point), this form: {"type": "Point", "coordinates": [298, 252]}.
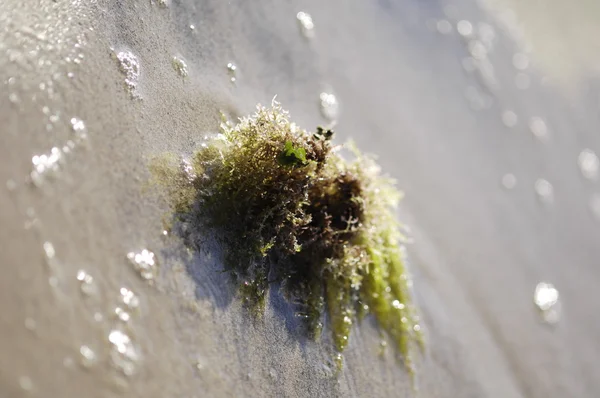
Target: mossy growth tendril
{"type": "Point", "coordinates": [287, 207]}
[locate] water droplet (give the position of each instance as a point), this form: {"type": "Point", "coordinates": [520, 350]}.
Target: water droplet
{"type": "Point", "coordinates": [538, 128]}
{"type": "Point", "coordinates": [232, 71]}
{"type": "Point", "coordinates": [520, 61]}
{"type": "Point", "coordinates": [477, 50]}
{"type": "Point", "coordinates": [338, 360]}
{"type": "Point", "coordinates": [49, 250]}
{"type": "Point", "coordinates": [589, 164]}
{"type": "Point", "coordinates": [444, 27]}
{"type": "Point", "coordinates": [88, 356]}
{"type": "Point", "coordinates": [179, 66]}
{"type": "Point", "coordinates": [88, 287]}
{"type": "Point", "coordinates": [544, 190]}
{"type": "Point", "coordinates": [30, 324]}
{"type": "Point", "coordinates": [130, 67]}
{"type": "Point", "coordinates": [68, 362]}
{"type": "Point", "coordinates": [26, 383]}
{"type": "Point", "coordinates": [144, 263]}
{"type": "Point", "coordinates": [464, 28]}
{"type": "Point", "coordinates": [11, 185]}
{"type": "Point", "coordinates": [486, 33]}
{"type": "Point", "coordinates": [329, 105]}
{"type": "Point", "coordinates": [546, 299]}
{"type": "Point", "coordinates": [509, 181]}
{"type": "Point", "coordinates": [79, 129]}
{"type": "Point", "coordinates": [595, 205]}
{"type": "Point", "coordinates": [129, 298]}
{"type": "Point", "coordinates": [509, 118]}
{"type": "Point", "coordinates": [307, 27]}
{"type": "Point", "coordinates": [46, 165]}
{"type": "Point", "coordinates": [188, 169]}
{"type": "Point", "coordinates": [122, 315]}
{"type": "Point", "coordinates": [398, 305]}
{"type": "Point", "coordinates": [124, 355]}
{"type": "Point", "coordinates": [192, 27]}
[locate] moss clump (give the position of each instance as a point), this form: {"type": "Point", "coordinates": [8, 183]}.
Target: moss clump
{"type": "Point", "coordinates": [289, 208]}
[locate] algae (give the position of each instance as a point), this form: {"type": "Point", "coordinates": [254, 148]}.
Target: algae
{"type": "Point", "coordinates": [288, 208]}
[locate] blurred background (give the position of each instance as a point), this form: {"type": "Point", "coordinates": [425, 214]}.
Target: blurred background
{"type": "Point", "coordinates": [485, 112]}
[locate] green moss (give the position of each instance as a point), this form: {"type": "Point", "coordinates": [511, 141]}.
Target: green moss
{"type": "Point", "coordinates": [288, 208]}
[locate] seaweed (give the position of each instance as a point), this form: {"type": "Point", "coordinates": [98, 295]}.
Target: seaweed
{"type": "Point", "coordinates": [288, 207]}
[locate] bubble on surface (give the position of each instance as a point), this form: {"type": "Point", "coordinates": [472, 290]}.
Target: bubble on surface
{"type": "Point", "coordinates": [30, 324]}
{"type": "Point", "coordinates": [11, 185]}
{"type": "Point", "coordinates": [53, 281]}
{"type": "Point", "coordinates": [477, 49]}
{"type": "Point", "coordinates": [13, 98]}
{"type": "Point", "coordinates": [78, 127]}
{"type": "Point", "coordinates": [330, 106]}
{"type": "Point", "coordinates": [589, 164]}
{"type": "Point", "coordinates": [487, 34]}
{"type": "Point", "coordinates": [33, 221]}
{"type": "Point", "coordinates": [509, 118]}
{"type": "Point", "coordinates": [464, 28]}
{"type": "Point", "coordinates": [544, 191]}
{"type": "Point", "coordinates": [46, 165]}
{"type": "Point", "coordinates": [130, 67]}
{"type": "Point", "coordinates": [129, 298]}
{"type": "Point", "coordinates": [397, 305]}
{"type": "Point", "coordinates": [49, 250]}
{"type": "Point", "coordinates": [88, 357]}
{"type": "Point", "coordinates": [124, 355]}
{"type": "Point", "coordinates": [68, 362]}
{"type": "Point", "coordinates": [144, 263]}
{"type": "Point", "coordinates": [509, 181]}
{"type": "Point", "coordinates": [180, 66]}
{"type": "Point", "coordinates": [122, 315]}
{"type": "Point", "coordinates": [87, 285]}
{"type": "Point", "coordinates": [546, 298]}
{"type": "Point", "coordinates": [232, 68]}
{"type": "Point", "coordinates": [595, 205]}
{"type": "Point", "coordinates": [26, 383]}
{"type": "Point", "coordinates": [187, 168]}
{"type": "Point", "coordinates": [520, 61]}
{"type": "Point", "coordinates": [538, 128]}
{"type": "Point", "coordinates": [307, 26]}
{"type": "Point", "coordinates": [443, 26]}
